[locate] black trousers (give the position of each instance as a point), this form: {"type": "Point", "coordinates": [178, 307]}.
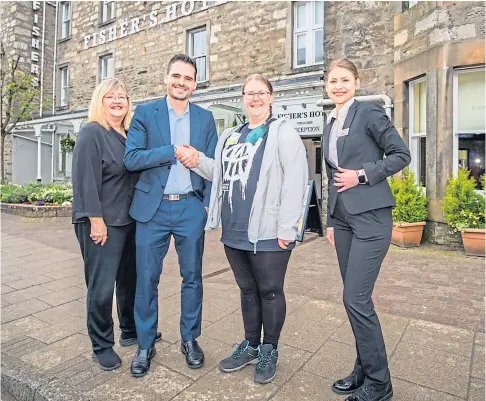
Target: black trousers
{"type": "Point", "coordinates": [105, 267]}
{"type": "Point", "coordinates": [261, 279]}
{"type": "Point", "coordinates": [362, 242]}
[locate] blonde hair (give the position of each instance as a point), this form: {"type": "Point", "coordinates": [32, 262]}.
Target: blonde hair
{"type": "Point", "coordinates": [97, 112]}
{"type": "Point", "coordinates": [346, 64]}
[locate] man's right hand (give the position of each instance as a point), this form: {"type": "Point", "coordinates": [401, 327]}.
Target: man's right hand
{"type": "Point", "coordinates": [330, 236]}
{"type": "Point", "coordinates": [99, 232]}
{"type": "Point", "coordinates": [188, 156]}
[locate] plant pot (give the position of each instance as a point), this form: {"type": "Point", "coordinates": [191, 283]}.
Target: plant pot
{"type": "Point", "coordinates": [407, 235]}
{"type": "Point", "coordinates": [473, 241]}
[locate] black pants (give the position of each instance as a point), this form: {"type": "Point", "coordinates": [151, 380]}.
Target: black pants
{"type": "Point", "coordinates": [362, 242]}
{"type": "Point", "coordinates": [104, 267]}
{"type": "Point", "coordinates": [261, 279]}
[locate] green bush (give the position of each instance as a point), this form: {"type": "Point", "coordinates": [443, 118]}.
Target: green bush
{"type": "Point", "coordinates": [411, 202]}
{"type": "Point", "coordinates": [463, 207]}
{"type": "Point", "coordinates": [36, 194]}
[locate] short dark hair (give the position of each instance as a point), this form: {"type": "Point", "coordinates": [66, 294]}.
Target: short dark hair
{"type": "Point", "coordinates": [183, 58]}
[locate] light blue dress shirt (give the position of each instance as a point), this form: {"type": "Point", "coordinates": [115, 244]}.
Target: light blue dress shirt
{"type": "Point", "coordinates": [179, 181]}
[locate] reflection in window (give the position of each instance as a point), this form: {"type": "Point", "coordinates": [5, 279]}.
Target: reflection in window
{"type": "Point", "coordinates": [471, 155]}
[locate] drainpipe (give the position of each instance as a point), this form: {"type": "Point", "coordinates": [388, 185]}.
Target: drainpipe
{"type": "Point", "coordinates": [54, 75]}
{"type": "Point", "coordinates": [388, 105]}
{"type": "Point", "coordinates": [42, 59]}
{"type": "Point", "coordinates": [38, 134]}
{"type": "Point", "coordinates": [53, 138]}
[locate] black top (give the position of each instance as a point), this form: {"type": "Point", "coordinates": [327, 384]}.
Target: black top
{"type": "Point", "coordinates": [102, 186]}
{"type": "Point", "coordinates": [242, 163]}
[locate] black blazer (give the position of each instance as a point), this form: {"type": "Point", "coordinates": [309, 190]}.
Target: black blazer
{"type": "Point", "coordinates": [370, 136]}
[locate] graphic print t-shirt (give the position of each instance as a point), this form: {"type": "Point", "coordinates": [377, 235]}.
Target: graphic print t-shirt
{"type": "Point", "coordinates": [242, 162]}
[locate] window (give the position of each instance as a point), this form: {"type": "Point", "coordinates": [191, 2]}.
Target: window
{"type": "Point", "coordinates": [418, 129]}
{"type": "Point", "coordinates": [65, 19]}
{"type": "Point", "coordinates": [469, 121]}
{"type": "Point", "coordinates": [64, 86]}
{"type": "Point", "coordinates": [219, 125]}
{"type": "Point", "coordinates": [107, 11]}
{"type": "Point", "coordinates": [197, 51]}
{"type": "Point", "coordinates": [308, 36]}
{"type": "Point", "coordinates": [107, 67]}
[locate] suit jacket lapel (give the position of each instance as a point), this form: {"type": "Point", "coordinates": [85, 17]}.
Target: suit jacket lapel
{"type": "Point", "coordinates": [162, 120]}
{"type": "Point", "coordinates": [327, 134]}
{"type": "Point", "coordinates": [195, 122]}
{"type": "Point", "coordinates": [347, 123]}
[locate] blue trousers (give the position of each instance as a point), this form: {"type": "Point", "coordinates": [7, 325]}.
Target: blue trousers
{"type": "Point", "coordinates": [184, 220]}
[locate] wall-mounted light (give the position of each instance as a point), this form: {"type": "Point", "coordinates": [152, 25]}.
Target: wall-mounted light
{"type": "Point", "coordinates": [478, 160]}
{"type": "Point", "coordinates": [304, 105]}
{"type": "Point", "coordinates": [284, 107]}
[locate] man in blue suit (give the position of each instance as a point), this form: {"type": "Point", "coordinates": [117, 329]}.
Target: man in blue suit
{"type": "Point", "coordinates": [170, 200]}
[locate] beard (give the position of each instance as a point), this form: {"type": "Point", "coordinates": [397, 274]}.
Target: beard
{"type": "Point", "coordinates": [176, 96]}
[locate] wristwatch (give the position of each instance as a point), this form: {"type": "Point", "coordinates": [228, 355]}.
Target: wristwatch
{"type": "Point", "coordinates": [175, 150]}
{"type": "Point", "coordinates": [361, 177]}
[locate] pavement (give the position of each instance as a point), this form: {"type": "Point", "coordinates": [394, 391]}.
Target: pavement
{"type": "Point", "coordinates": [430, 302]}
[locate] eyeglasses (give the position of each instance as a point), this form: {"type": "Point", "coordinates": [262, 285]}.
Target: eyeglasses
{"type": "Point", "coordinates": [251, 95]}
{"type": "Point", "coordinates": [121, 98]}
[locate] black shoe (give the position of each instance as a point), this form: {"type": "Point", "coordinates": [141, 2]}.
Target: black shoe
{"type": "Point", "coordinates": [194, 354]}
{"type": "Point", "coordinates": [348, 385]}
{"type": "Point", "coordinates": [368, 393]}
{"type": "Point", "coordinates": [141, 361]}
{"type": "Point", "coordinates": [127, 339]}
{"type": "Point", "coordinates": [107, 359]}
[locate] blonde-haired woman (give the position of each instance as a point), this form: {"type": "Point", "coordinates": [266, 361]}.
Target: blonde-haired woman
{"type": "Point", "coordinates": [103, 190]}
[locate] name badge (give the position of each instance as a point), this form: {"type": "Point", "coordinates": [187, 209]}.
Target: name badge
{"type": "Point", "coordinates": [343, 132]}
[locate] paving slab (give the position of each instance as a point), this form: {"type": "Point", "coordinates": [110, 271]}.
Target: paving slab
{"type": "Point", "coordinates": [22, 327]}
{"type": "Point", "coordinates": [439, 337]}
{"type": "Point", "coordinates": [438, 370]}
{"type": "Point", "coordinates": [478, 357]}
{"type": "Point", "coordinates": [22, 309]}
{"type": "Point", "coordinates": [476, 390]}
{"type": "Point", "coordinates": [160, 384]}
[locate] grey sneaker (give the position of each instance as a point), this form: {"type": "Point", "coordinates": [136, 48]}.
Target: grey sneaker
{"type": "Point", "coordinates": [242, 356]}
{"type": "Point", "coordinates": [266, 367]}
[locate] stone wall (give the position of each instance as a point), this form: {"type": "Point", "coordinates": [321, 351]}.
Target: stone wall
{"type": "Point", "coordinates": [241, 40]}
{"type": "Point", "coordinates": [362, 31]}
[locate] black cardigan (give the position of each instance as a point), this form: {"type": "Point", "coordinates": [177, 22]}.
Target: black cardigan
{"type": "Point", "coordinates": [102, 186]}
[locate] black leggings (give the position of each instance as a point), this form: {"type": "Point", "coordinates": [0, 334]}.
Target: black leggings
{"type": "Point", "coordinates": [261, 279]}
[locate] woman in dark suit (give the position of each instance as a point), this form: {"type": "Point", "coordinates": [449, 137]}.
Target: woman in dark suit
{"type": "Point", "coordinates": [359, 219]}
{"type": "Point", "coordinates": [103, 190]}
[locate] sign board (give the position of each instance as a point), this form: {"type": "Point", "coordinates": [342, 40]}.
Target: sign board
{"type": "Point", "coordinates": [310, 218]}
{"type": "Point", "coordinates": [307, 117]}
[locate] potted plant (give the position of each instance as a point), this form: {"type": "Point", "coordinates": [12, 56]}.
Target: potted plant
{"type": "Point", "coordinates": [410, 212]}
{"type": "Point", "coordinates": [67, 144]}
{"type": "Point", "coordinates": [464, 211]}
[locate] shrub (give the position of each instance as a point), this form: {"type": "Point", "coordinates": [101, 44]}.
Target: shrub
{"type": "Point", "coordinates": [463, 207]}
{"type": "Point", "coordinates": [411, 202]}
{"type": "Point", "coordinates": [52, 194]}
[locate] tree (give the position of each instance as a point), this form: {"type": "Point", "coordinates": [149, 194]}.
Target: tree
{"type": "Point", "coordinates": [20, 98]}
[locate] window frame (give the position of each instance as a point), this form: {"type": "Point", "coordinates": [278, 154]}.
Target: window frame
{"type": "Point", "coordinates": [63, 86]}
{"type": "Point", "coordinates": [414, 137]}
{"type": "Point", "coordinates": [455, 116]}
{"type": "Point", "coordinates": [104, 8]}
{"type": "Point", "coordinates": [66, 35]}
{"type": "Point", "coordinates": [309, 29]}
{"type": "Point", "coordinates": [205, 55]}
{"type": "Point", "coordinates": [101, 60]}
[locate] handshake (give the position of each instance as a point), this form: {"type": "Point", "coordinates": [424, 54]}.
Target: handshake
{"type": "Point", "coordinates": [187, 155]}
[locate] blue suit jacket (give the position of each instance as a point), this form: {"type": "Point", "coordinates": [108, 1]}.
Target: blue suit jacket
{"type": "Point", "coordinates": [148, 150]}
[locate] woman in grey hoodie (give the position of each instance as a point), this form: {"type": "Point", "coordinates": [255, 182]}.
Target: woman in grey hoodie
{"type": "Point", "coordinates": [259, 177]}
